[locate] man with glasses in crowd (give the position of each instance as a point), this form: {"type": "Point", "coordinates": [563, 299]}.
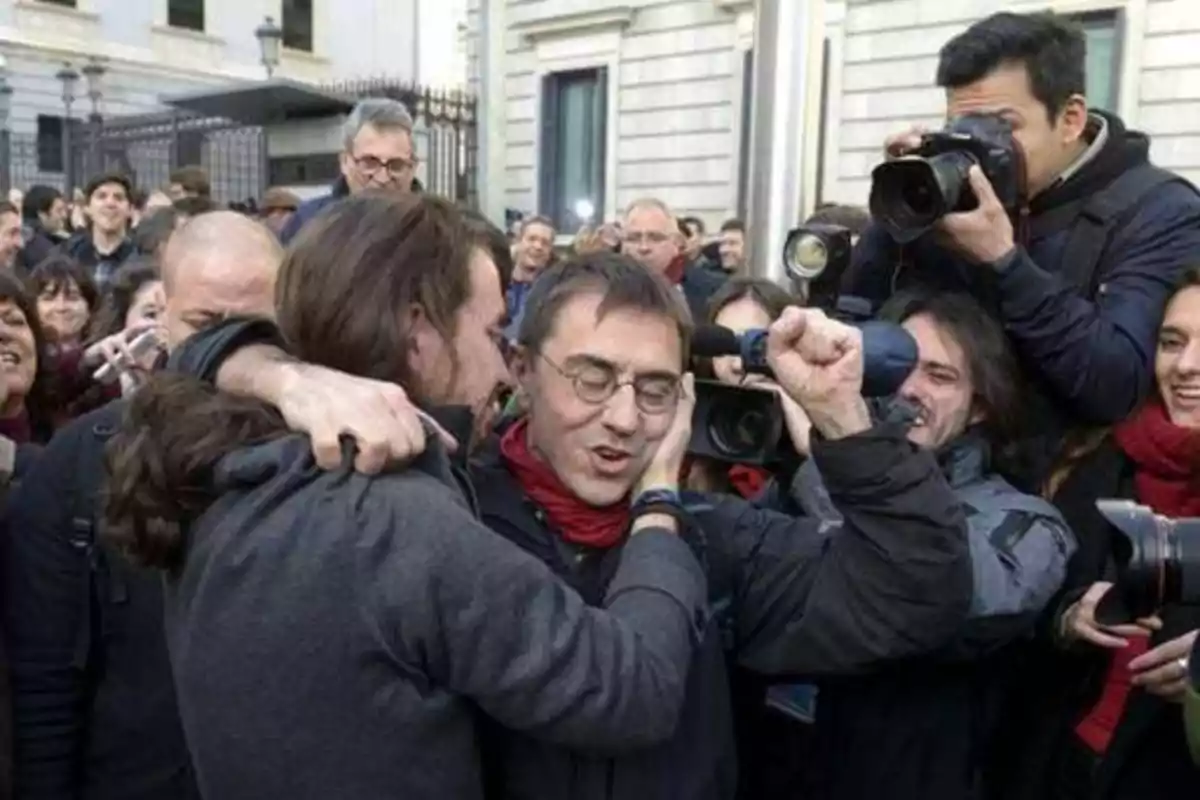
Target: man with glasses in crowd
{"type": "Point", "coordinates": [651, 236]}
{"type": "Point", "coordinates": [378, 154]}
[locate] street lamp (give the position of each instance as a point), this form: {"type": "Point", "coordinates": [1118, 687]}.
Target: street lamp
{"type": "Point", "coordinates": [94, 73]}
{"type": "Point", "coordinates": [270, 39]}
{"type": "Point", "coordinates": [68, 77]}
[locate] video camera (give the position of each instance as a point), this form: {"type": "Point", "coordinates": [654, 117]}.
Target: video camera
{"type": "Point", "coordinates": [746, 426]}
{"type": "Point", "coordinates": [741, 425]}
{"type": "Point", "coordinates": [1158, 562]}
{"type": "Point", "coordinates": [911, 193]}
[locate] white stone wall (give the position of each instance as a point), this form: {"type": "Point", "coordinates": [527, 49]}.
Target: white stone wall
{"type": "Point", "coordinates": [674, 81]}
{"type": "Point", "coordinates": [147, 59]}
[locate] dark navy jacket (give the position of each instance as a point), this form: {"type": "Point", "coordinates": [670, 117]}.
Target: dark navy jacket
{"type": "Point", "coordinates": [311, 209]}
{"type": "Point", "coordinates": [1091, 352]}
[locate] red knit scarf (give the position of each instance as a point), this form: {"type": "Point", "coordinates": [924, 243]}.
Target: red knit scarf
{"type": "Point", "coordinates": [575, 520]}
{"type": "Point", "coordinates": [676, 268]}
{"type": "Point", "coordinates": [1166, 459]}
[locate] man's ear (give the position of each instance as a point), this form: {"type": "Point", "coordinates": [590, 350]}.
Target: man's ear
{"type": "Point", "coordinates": [1073, 119]}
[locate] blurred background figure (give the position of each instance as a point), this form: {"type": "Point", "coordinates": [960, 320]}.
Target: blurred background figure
{"type": "Point", "coordinates": [278, 206]}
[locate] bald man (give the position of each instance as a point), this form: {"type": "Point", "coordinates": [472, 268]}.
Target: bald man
{"type": "Point", "coordinates": [94, 707]}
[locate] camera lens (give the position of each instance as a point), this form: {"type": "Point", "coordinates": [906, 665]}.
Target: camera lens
{"type": "Point", "coordinates": [1158, 562]}
{"type": "Point", "coordinates": [910, 194]}
{"type": "Point", "coordinates": [738, 432]}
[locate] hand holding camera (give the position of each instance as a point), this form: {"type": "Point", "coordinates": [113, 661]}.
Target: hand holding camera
{"type": "Point", "coordinates": [819, 363]}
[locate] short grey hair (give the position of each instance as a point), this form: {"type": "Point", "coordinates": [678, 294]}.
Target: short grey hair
{"type": "Point", "coordinates": [378, 112]}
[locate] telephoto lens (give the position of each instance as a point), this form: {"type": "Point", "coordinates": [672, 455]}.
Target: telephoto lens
{"type": "Point", "coordinates": [910, 194]}
{"type": "Point", "coordinates": [1158, 562]}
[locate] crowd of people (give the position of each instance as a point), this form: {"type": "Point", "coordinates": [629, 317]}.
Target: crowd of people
{"type": "Point", "coordinates": [363, 497]}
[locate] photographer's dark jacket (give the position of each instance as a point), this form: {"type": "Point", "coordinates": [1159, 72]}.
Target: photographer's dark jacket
{"type": "Point", "coordinates": [94, 706]}
{"type": "Point", "coordinates": [787, 599]}
{"type": "Point", "coordinates": [945, 703]}
{"type": "Point", "coordinates": [1089, 339]}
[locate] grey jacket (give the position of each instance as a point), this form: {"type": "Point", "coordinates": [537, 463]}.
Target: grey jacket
{"type": "Point", "coordinates": [331, 635]}
{"type": "Point", "coordinates": [1020, 544]}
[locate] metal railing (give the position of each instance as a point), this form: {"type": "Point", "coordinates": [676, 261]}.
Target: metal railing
{"type": "Point", "coordinates": [147, 147]}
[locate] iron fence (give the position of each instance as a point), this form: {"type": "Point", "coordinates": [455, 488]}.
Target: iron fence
{"type": "Point", "coordinates": [148, 147]}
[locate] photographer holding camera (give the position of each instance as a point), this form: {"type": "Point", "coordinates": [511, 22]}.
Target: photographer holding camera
{"type": "Point", "coordinates": [1047, 212]}
{"type": "Point", "coordinates": [1103, 715]}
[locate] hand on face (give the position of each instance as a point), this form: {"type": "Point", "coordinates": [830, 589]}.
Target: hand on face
{"type": "Point", "coordinates": [665, 468]}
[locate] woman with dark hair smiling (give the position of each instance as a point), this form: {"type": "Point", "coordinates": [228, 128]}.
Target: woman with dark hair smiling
{"type": "Point", "coordinates": [66, 298]}
{"type": "Point", "coordinates": [25, 412]}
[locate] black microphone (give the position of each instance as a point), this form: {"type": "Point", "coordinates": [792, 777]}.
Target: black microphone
{"type": "Point", "coordinates": [889, 353]}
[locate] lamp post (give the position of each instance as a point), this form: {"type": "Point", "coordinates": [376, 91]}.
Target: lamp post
{"type": "Point", "coordinates": [68, 77]}
{"type": "Point", "coordinates": [270, 40]}
{"type": "Point", "coordinates": [6, 93]}
{"type": "Point", "coordinates": [94, 73]}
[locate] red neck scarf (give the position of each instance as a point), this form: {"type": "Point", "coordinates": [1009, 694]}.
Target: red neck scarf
{"type": "Point", "coordinates": [1167, 460]}
{"type": "Point", "coordinates": [748, 481]}
{"type": "Point", "coordinates": [575, 520]}
{"type": "Point", "coordinates": [676, 269]}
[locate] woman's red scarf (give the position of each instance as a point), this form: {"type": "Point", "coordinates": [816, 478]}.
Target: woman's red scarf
{"type": "Point", "coordinates": [749, 482]}
{"type": "Point", "coordinates": [575, 520]}
{"type": "Point", "coordinates": [1166, 459]}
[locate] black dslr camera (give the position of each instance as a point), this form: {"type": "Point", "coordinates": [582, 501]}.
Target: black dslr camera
{"type": "Point", "coordinates": [911, 193]}
{"type": "Point", "coordinates": [1158, 562]}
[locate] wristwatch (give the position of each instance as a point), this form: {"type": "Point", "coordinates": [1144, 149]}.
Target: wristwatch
{"type": "Point", "coordinates": [659, 501]}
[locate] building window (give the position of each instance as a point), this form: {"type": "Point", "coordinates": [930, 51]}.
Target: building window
{"type": "Point", "coordinates": [298, 25]}
{"type": "Point", "coordinates": [1103, 65]}
{"type": "Point", "coordinates": [65, 3]}
{"type": "Point", "coordinates": [571, 163]}
{"type": "Point", "coordinates": [187, 14]}
{"type": "Point", "coordinates": [50, 144]}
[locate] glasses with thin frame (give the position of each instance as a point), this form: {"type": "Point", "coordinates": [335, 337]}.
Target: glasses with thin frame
{"type": "Point", "coordinates": [596, 383]}
{"type": "Point", "coordinates": [397, 168]}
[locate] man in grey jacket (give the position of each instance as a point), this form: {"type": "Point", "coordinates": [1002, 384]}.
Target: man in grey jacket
{"type": "Point", "coordinates": [962, 402]}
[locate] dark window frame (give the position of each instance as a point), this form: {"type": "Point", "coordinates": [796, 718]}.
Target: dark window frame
{"type": "Point", "coordinates": [61, 3]}
{"type": "Point", "coordinates": [297, 36]}
{"type": "Point", "coordinates": [550, 204]}
{"type": "Point", "coordinates": [50, 133]}
{"type": "Point", "coordinates": [188, 15]}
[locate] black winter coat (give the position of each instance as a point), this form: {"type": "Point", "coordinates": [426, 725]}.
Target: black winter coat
{"type": "Point", "coordinates": [94, 706]}
{"type": "Point", "coordinates": [786, 601]}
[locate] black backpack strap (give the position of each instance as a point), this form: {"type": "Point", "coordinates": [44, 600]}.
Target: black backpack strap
{"type": "Point", "coordinates": [89, 472]}
{"type": "Point", "coordinates": [1104, 213]}
{"type": "Point", "coordinates": [83, 540]}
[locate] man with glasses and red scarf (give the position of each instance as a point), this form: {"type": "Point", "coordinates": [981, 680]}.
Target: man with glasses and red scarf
{"type": "Point", "coordinates": [378, 154]}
